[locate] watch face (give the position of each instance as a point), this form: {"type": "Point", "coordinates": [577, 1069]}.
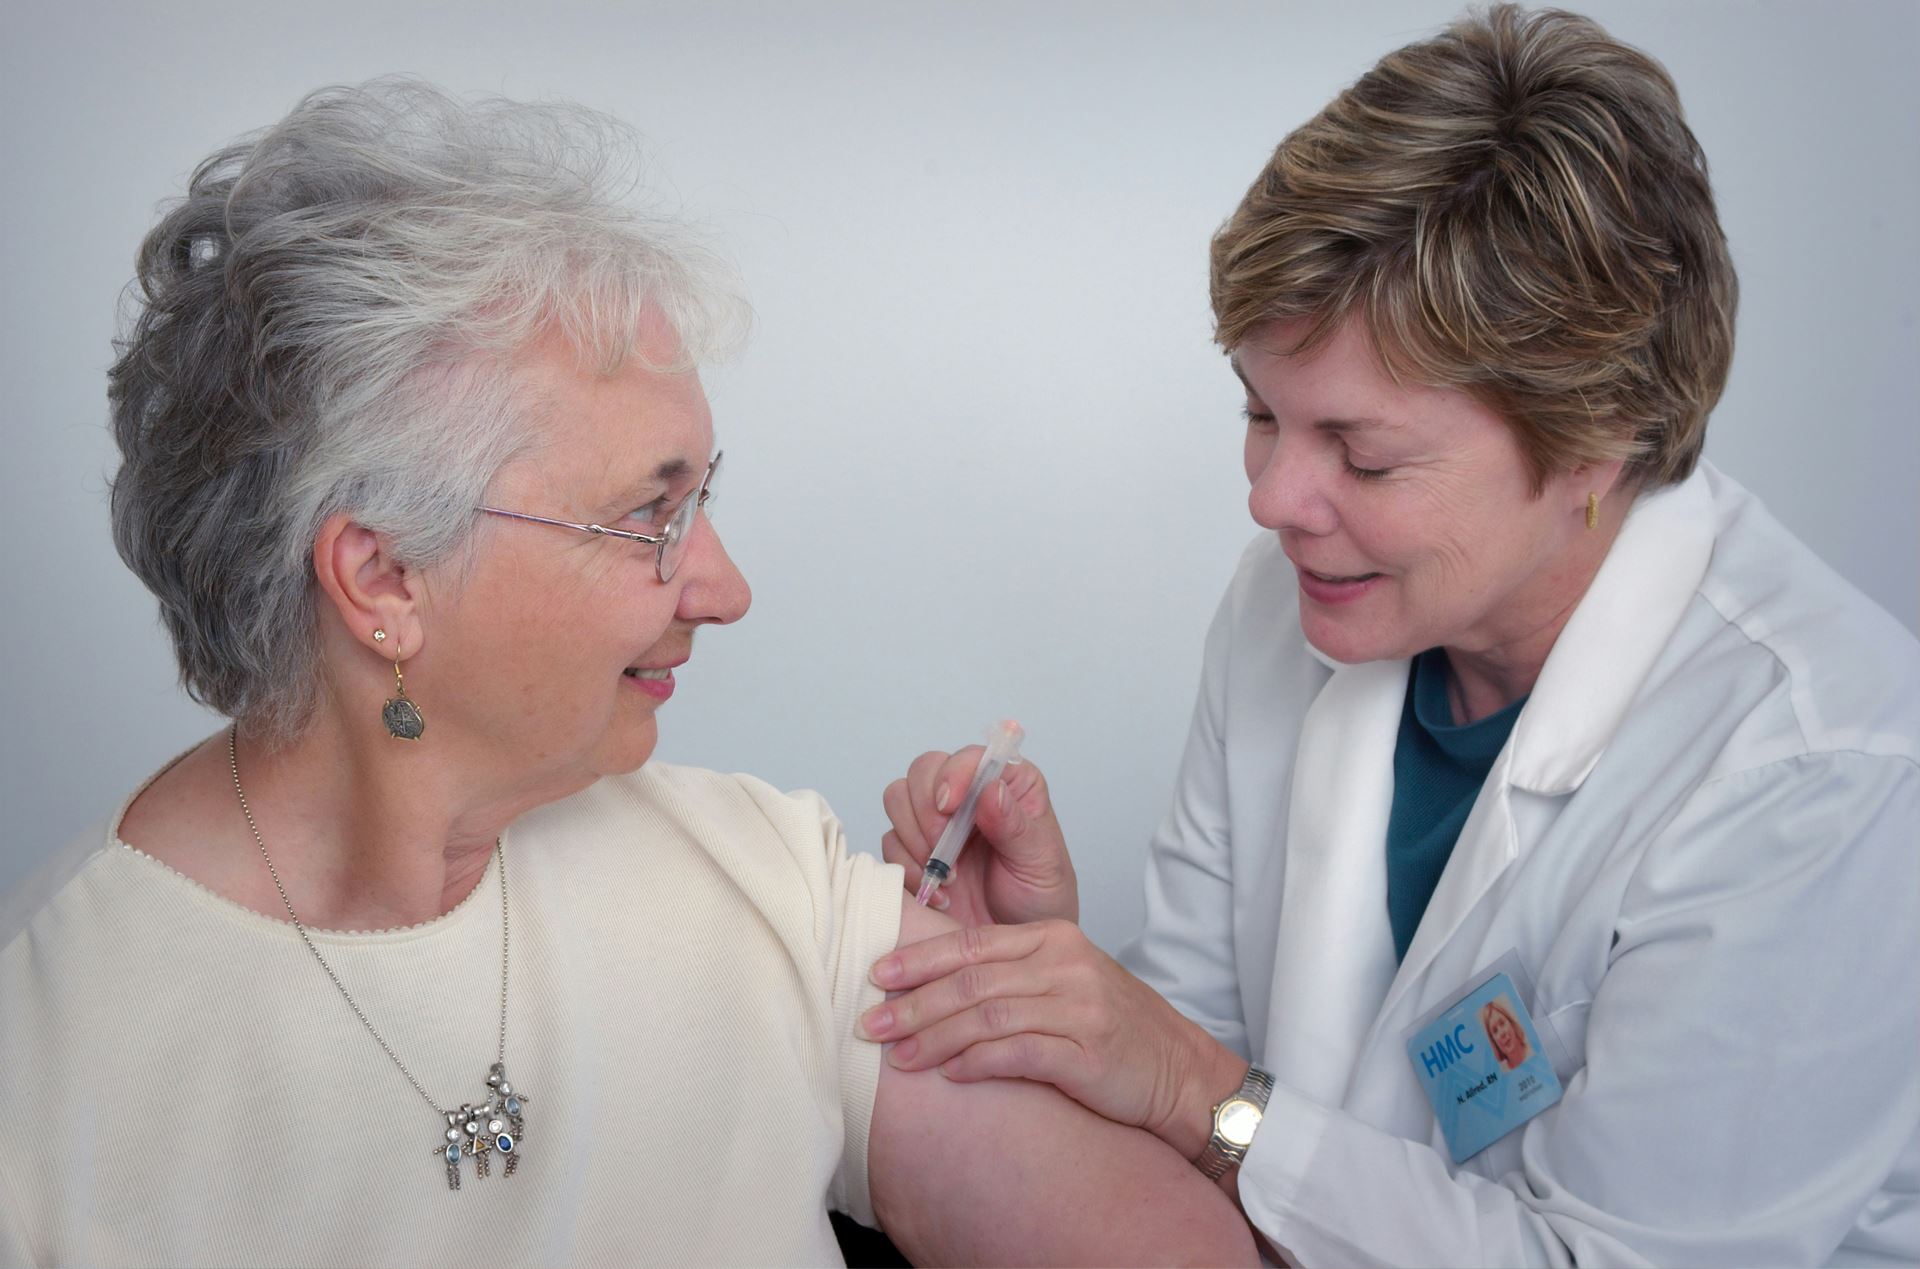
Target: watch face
{"type": "Point", "coordinates": [1238, 1119]}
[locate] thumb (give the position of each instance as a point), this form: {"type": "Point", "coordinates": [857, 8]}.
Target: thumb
{"type": "Point", "coordinates": [1023, 830]}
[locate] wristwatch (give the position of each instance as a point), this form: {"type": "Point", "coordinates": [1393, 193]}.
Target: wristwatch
{"type": "Point", "coordinates": [1235, 1120]}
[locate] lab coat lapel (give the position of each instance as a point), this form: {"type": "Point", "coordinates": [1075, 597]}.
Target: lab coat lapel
{"type": "Point", "coordinates": [1334, 955]}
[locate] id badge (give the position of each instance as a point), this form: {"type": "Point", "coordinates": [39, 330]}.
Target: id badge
{"type": "Point", "coordinates": [1482, 1065]}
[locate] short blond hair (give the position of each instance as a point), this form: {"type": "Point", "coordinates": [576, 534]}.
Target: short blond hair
{"type": "Point", "coordinates": [1516, 208]}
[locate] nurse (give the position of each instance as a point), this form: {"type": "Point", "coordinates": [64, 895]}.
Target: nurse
{"type": "Point", "coordinates": [1512, 698]}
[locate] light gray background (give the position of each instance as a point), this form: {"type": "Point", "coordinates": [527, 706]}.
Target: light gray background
{"type": "Point", "coordinates": [981, 457]}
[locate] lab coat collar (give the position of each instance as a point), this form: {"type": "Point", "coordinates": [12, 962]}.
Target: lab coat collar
{"type": "Point", "coordinates": [1611, 641]}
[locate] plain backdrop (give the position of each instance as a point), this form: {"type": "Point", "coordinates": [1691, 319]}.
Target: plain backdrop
{"type": "Point", "coordinates": [982, 459]}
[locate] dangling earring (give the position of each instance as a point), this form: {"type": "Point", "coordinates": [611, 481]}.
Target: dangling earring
{"type": "Point", "coordinates": [400, 714]}
{"type": "Point", "coordinates": [1593, 510]}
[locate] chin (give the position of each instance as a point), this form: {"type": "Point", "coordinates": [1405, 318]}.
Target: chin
{"type": "Point", "coordinates": [1344, 643]}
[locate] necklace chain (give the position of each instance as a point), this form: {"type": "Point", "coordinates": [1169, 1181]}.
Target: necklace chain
{"type": "Point", "coordinates": [500, 851]}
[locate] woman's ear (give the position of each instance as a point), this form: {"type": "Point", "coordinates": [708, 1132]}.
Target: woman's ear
{"type": "Point", "coordinates": [1596, 480]}
{"type": "Point", "coordinates": [1601, 478]}
{"type": "Point", "coordinates": [369, 588]}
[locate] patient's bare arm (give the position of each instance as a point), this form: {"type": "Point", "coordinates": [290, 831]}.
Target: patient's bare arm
{"type": "Point", "coordinates": [1012, 1172]}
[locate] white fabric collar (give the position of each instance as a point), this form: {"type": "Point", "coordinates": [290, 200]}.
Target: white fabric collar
{"type": "Point", "coordinates": [1616, 633]}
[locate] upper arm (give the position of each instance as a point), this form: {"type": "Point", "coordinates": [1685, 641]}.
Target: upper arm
{"type": "Point", "coordinates": [1009, 1171]}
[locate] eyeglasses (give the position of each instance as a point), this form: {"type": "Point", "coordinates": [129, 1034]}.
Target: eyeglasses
{"type": "Point", "coordinates": [669, 547]}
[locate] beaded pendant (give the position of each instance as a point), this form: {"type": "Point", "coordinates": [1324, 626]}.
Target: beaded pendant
{"type": "Point", "coordinates": [478, 1132]}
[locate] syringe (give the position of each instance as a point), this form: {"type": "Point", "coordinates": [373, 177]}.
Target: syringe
{"type": "Point", "coordinates": [1003, 747]}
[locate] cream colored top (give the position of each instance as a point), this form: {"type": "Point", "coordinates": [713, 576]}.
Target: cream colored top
{"type": "Point", "coordinates": [689, 953]}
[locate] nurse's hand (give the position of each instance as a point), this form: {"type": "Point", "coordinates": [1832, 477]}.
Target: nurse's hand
{"type": "Point", "coordinates": [1041, 1002]}
{"type": "Point", "coordinates": [1014, 867]}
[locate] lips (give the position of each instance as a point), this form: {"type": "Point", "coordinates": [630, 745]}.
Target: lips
{"type": "Point", "coordinates": [655, 680]}
{"type": "Point", "coordinates": [1335, 588]}
{"type": "Point", "coordinates": [658, 670]}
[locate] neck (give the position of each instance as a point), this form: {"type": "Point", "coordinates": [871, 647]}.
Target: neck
{"type": "Point", "coordinates": [368, 832]}
{"type": "Point", "coordinates": [1492, 669]}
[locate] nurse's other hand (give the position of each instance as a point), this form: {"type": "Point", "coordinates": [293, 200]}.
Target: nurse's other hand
{"type": "Point", "coordinates": [1041, 1002]}
{"type": "Point", "coordinates": [1014, 867]}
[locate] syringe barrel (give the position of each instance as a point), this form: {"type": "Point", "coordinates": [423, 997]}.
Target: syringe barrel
{"type": "Point", "coordinates": [1003, 747]}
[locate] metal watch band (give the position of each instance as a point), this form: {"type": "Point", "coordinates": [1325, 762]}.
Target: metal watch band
{"type": "Point", "coordinates": [1220, 1153]}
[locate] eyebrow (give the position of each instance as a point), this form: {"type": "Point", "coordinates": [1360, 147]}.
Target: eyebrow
{"type": "Point", "coordinates": [1354, 424]}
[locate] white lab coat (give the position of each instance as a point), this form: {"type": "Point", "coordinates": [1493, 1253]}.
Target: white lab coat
{"type": "Point", "coordinates": [1703, 841]}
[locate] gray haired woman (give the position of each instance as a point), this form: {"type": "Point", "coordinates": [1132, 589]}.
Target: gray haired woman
{"type": "Point", "coordinates": [421, 961]}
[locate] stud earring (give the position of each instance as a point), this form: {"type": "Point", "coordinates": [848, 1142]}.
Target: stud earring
{"type": "Point", "coordinates": [402, 717]}
{"type": "Point", "coordinates": [379, 635]}
{"type": "Point", "coordinates": [1593, 510]}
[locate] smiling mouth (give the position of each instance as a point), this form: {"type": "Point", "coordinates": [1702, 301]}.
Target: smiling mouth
{"type": "Point", "coordinates": [1332, 579]}
{"type": "Point", "coordinates": [635, 672]}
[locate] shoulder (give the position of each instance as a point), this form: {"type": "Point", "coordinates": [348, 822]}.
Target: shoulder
{"type": "Point", "coordinates": [55, 878]}
{"type": "Point", "coordinates": [712, 809]}
{"type": "Point", "coordinates": [38, 898]}
{"type": "Point", "coordinates": [783, 854]}
{"type": "Point", "coordinates": [1828, 670]}
{"type": "Point", "coordinates": [1778, 738]}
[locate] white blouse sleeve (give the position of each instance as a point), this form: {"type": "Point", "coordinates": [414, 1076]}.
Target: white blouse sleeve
{"type": "Point", "coordinates": [856, 921]}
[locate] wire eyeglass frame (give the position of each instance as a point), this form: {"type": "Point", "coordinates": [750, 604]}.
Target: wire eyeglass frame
{"type": "Point", "coordinates": [669, 546]}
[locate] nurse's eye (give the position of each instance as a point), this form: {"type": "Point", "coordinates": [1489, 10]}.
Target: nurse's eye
{"type": "Point", "coordinates": [1259, 420]}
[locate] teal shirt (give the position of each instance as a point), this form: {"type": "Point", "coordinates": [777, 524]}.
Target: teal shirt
{"type": "Point", "coordinates": [1438, 769]}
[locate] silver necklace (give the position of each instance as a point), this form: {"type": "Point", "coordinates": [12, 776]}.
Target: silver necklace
{"type": "Point", "coordinates": [474, 1130]}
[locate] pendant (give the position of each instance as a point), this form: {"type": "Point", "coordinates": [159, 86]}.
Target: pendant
{"type": "Point", "coordinates": [495, 1126]}
{"type": "Point", "coordinates": [403, 718]}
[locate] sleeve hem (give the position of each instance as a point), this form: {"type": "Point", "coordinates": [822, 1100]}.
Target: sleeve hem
{"type": "Point", "coordinates": [1276, 1166]}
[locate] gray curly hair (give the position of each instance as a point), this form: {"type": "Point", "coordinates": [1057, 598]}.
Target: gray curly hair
{"type": "Point", "coordinates": [325, 323]}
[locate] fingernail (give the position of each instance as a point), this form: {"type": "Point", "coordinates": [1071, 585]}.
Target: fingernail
{"type": "Point", "coordinates": [886, 970]}
{"type": "Point", "coordinates": [903, 1052]}
{"type": "Point", "coordinates": [948, 1069]}
{"type": "Point", "coordinates": [942, 799]}
{"type": "Point", "coordinates": [1000, 796]}
{"type": "Point", "coordinates": [877, 1023]}
{"type": "Point", "coordinates": [940, 902]}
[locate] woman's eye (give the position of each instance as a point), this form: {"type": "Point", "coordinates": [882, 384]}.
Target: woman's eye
{"type": "Point", "coordinates": [1366, 473]}
{"type": "Point", "coordinates": [653, 513]}
{"type": "Point", "coordinates": [1261, 419]}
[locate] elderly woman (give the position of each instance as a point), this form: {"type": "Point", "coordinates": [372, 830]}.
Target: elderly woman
{"type": "Point", "coordinates": [421, 961]}
{"type": "Point", "coordinates": [1513, 696]}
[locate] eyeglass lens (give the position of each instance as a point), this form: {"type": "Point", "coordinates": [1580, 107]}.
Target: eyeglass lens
{"type": "Point", "coordinates": [679, 532]}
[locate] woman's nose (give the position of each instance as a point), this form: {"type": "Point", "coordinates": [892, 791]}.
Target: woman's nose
{"type": "Point", "coordinates": [713, 589]}
{"type": "Point", "coordinates": [1287, 493]}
